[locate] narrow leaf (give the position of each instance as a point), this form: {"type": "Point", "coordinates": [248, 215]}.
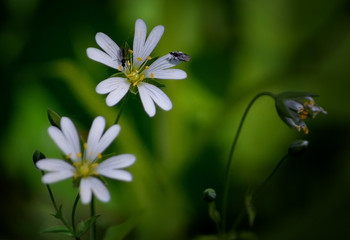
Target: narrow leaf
{"type": "Point", "coordinates": [58, 229]}
{"type": "Point", "coordinates": [83, 226]}
{"type": "Point", "coordinates": [120, 231]}
{"type": "Point", "coordinates": [250, 209]}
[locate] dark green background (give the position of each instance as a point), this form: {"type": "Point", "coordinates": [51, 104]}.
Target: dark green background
{"type": "Point", "coordinates": [238, 49]}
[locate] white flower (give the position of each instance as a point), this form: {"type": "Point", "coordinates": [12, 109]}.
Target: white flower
{"type": "Point", "coordinates": [86, 168]}
{"type": "Point", "coordinates": [133, 64]}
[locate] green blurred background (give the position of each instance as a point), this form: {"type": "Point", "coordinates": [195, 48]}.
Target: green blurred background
{"type": "Point", "coordinates": [238, 49]}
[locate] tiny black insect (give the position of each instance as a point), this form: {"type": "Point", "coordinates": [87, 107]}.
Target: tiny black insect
{"type": "Point", "coordinates": [180, 56]}
{"type": "Point", "coordinates": [123, 57]}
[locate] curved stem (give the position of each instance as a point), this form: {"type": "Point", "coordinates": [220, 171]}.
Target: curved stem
{"type": "Point", "coordinates": [258, 190]}
{"type": "Point", "coordinates": [51, 196]}
{"type": "Point", "coordinates": [58, 210]}
{"type": "Point", "coordinates": [228, 166]}
{"type": "Point", "coordinates": [92, 211]}
{"type": "Point", "coordinates": [73, 214]}
{"type": "Point", "coordinates": [121, 108]}
{"type": "Point", "coordinates": [279, 164]}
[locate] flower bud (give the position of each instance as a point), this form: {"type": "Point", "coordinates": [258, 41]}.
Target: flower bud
{"type": "Point", "coordinates": [297, 147]}
{"type": "Point", "coordinates": [294, 107]}
{"type": "Point", "coordinates": [54, 118]}
{"type": "Point", "coordinates": [37, 156]}
{"type": "Point", "coordinates": [209, 195]}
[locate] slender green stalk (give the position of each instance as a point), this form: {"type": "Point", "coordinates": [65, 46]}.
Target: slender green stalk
{"type": "Point", "coordinates": [121, 108]}
{"type": "Point", "coordinates": [73, 214]}
{"type": "Point", "coordinates": [279, 164]}
{"type": "Point", "coordinates": [52, 197]}
{"type": "Point", "coordinates": [93, 227]}
{"type": "Point", "coordinates": [258, 190]}
{"type": "Point", "coordinates": [55, 206]}
{"type": "Point", "coordinates": [229, 162]}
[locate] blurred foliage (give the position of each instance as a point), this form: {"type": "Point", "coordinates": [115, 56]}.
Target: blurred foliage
{"type": "Point", "coordinates": [238, 49]}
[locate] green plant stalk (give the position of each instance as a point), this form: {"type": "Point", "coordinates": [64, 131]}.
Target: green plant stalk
{"type": "Point", "coordinates": [73, 215]}
{"type": "Point", "coordinates": [92, 211]}
{"type": "Point", "coordinates": [55, 205]}
{"type": "Point", "coordinates": [229, 162]}
{"type": "Point", "coordinates": [259, 190]}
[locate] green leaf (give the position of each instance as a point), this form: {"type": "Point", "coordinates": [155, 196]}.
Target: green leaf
{"type": "Point", "coordinates": [83, 226]}
{"type": "Point", "coordinates": [120, 231]}
{"type": "Point", "coordinates": [58, 229]}
{"type": "Point", "coordinates": [58, 214]}
{"type": "Point", "coordinates": [250, 208]}
{"type": "Point", "coordinates": [38, 156]}
{"type": "Point", "coordinates": [54, 118]}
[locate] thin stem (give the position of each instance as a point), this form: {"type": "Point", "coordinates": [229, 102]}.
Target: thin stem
{"type": "Point", "coordinates": [93, 227]}
{"type": "Point", "coordinates": [58, 211]}
{"type": "Point", "coordinates": [279, 164]}
{"type": "Point", "coordinates": [121, 108]}
{"type": "Point", "coordinates": [258, 190]}
{"type": "Point", "coordinates": [52, 197]}
{"type": "Point", "coordinates": [73, 214]}
{"type": "Point", "coordinates": [228, 166]}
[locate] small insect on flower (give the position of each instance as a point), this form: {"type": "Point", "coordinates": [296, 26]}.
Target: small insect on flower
{"type": "Point", "coordinates": [180, 56]}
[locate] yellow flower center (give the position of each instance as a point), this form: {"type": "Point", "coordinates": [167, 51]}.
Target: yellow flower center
{"type": "Point", "coordinates": [304, 112]}
{"type": "Point", "coordinates": [84, 169]}
{"type": "Point", "coordinates": [135, 78]}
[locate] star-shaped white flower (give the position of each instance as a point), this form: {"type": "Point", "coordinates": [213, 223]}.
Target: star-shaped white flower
{"type": "Point", "coordinates": [133, 64]}
{"type": "Point", "coordinates": [86, 167]}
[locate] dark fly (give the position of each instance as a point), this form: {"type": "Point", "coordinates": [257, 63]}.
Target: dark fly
{"type": "Point", "coordinates": [123, 56]}
{"type": "Point", "coordinates": [180, 56]}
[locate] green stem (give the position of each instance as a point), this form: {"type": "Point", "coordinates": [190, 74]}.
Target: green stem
{"type": "Point", "coordinates": [73, 215]}
{"type": "Point", "coordinates": [55, 206]}
{"type": "Point", "coordinates": [51, 196]}
{"type": "Point", "coordinates": [228, 166]}
{"type": "Point", "coordinates": [121, 108]}
{"type": "Point", "coordinates": [258, 190]}
{"type": "Point", "coordinates": [93, 227]}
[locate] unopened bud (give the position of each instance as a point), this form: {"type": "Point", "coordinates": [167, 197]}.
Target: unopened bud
{"type": "Point", "coordinates": [37, 156]}
{"type": "Point", "coordinates": [297, 147]}
{"type": "Point", "coordinates": [54, 118]}
{"type": "Point", "coordinates": [209, 195]}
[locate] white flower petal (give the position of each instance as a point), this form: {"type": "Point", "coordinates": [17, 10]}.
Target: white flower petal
{"type": "Point", "coordinates": [71, 135]}
{"type": "Point", "coordinates": [95, 133]}
{"type": "Point", "coordinates": [111, 84]}
{"type": "Point", "coordinates": [139, 38]}
{"type": "Point", "coordinates": [108, 45]}
{"type": "Point", "coordinates": [150, 93]}
{"type": "Point", "coordinates": [146, 100]}
{"type": "Point", "coordinates": [167, 74]}
{"type": "Point", "coordinates": [57, 176]}
{"type": "Point", "coordinates": [106, 140]}
{"type": "Point", "coordinates": [51, 164]}
{"type": "Point", "coordinates": [101, 57]}
{"type": "Point", "coordinates": [117, 162]}
{"type": "Point", "coordinates": [117, 174]}
{"type": "Point", "coordinates": [152, 41]}
{"type": "Point", "coordinates": [162, 63]}
{"type": "Point", "coordinates": [60, 140]}
{"type": "Point", "coordinates": [117, 94]}
{"type": "Point", "coordinates": [85, 191]}
{"type": "Point", "coordinates": [93, 185]}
